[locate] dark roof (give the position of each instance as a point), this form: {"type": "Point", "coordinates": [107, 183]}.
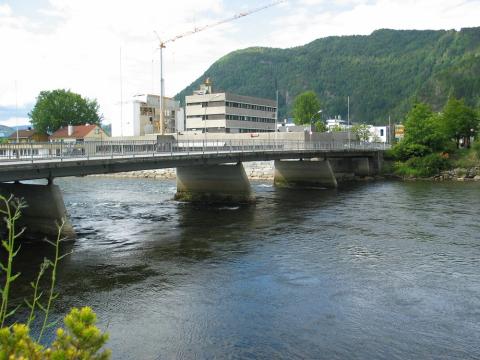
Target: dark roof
{"type": "Point", "coordinates": [22, 134]}
{"type": "Point", "coordinates": [79, 132]}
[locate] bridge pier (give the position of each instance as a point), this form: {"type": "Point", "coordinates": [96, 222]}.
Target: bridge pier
{"type": "Point", "coordinates": [214, 183]}
{"type": "Point", "coordinates": [304, 173]}
{"type": "Point", "coordinates": [45, 208]}
{"type": "Point", "coordinates": [346, 168]}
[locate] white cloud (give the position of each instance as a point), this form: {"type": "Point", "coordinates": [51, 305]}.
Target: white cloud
{"type": "Point", "coordinates": [15, 122]}
{"type": "Point", "coordinates": [75, 44]}
{"type": "Point", "coordinates": [5, 10]}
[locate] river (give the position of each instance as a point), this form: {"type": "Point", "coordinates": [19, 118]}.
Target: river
{"type": "Point", "coordinates": [380, 270]}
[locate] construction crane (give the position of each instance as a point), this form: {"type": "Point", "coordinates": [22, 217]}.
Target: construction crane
{"type": "Point", "coordinates": [191, 32]}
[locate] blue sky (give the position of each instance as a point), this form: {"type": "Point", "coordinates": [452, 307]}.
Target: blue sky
{"type": "Point", "coordinates": [75, 44]}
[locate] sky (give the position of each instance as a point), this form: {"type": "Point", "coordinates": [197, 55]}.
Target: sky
{"type": "Point", "coordinates": [108, 50]}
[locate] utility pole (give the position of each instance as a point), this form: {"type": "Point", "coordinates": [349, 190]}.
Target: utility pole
{"type": "Point", "coordinates": [348, 119]}
{"type": "Point", "coordinates": [16, 107]}
{"type": "Point", "coordinates": [389, 130]}
{"type": "Point", "coordinates": [162, 90]}
{"type": "Point", "coordinates": [121, 94]}
{"type": "Point", "coordinates": [276, 114]}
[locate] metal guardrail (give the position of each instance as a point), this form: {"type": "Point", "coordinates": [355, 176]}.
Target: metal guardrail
{"type": "Point", "coordinates": [37, 151]}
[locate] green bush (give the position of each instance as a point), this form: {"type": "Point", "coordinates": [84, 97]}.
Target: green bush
{"type": "Point", "coordinates": [404, 151]}
{"type": "Point", "coordinates": [476, 147]}
{"type": "Point", "coordinates": [81, 340]}
{"type": "Point", "coordinates": [426, 166]}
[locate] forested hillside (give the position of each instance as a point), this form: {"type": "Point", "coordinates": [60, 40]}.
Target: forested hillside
{"type": "Point", "coordinates": [383, 73]}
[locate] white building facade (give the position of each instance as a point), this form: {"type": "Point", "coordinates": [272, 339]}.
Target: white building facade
{"type": "Point", "coordinates": [142, 117]}
{"type": "Point", "coordinates": [228, 113]}
{"type": "Point", "coordinates": [379, 134]}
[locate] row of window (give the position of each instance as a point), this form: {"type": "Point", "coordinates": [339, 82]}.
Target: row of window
{"type": "Point", "coordinates": [231, 130]}
{"type": "Point", "coordinates": [233, 117]}
{"type": "Point", "coordinates": [250, 106]}
{"type": "Point", "coordinates": [250, 118]}
{"type": "Point", "coordinates": [234, 105]}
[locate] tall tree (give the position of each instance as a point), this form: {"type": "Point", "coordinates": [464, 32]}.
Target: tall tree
{"type": "Point", "coordinates": [460, 122]}
{"type": "Point", "coordinates": [423, 127]}
{"type": "Point", "coordinates": [59, 108]}
{"type": "Point", "coordinates": [306, 108]}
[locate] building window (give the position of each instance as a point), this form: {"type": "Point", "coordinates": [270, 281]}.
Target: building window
{"type": "Point", "coordinates": [381, 132]}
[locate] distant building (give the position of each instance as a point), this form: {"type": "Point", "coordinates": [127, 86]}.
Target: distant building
{"type": "Point", "coordinates": [336, 123]}
{"type": "Point", "coordinates": [379, 134]}
{"type": "Point", "coordinates": [399, 132]}
{"type": "Point", "coordinates": [142, 117]}
{"type": "Point", "coordinates": [228, 113]}
{"type": "Point", "coordinates": [29, 135]}
{"type": "Point", "coordinates": [78, 133]}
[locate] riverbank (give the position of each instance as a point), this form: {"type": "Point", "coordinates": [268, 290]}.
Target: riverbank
{"type": "Point", "coordinates": [456, 174]}
{"type": "Point", "coordinates": [256, 170]}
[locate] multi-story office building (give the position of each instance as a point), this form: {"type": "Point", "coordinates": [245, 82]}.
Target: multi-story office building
{"type": "Point", "coordinates": [142, 117]}
{"type": "Point", "coordinates": [228, 113]}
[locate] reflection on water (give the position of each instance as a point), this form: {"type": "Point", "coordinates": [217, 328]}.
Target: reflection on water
{"type": "Point", "coordinates": [379, 270]}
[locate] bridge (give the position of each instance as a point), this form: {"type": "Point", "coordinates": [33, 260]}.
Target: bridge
{"type": "Point", "coordinates": [208, 170]}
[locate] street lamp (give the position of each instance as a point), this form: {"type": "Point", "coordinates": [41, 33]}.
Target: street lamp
{"type": "Point", "coordinates": [311, 122]}
{"type": "Point", "coordinates": [205, 118]}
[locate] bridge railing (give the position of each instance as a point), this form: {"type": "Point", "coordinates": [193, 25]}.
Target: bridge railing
{"type": "Point", "coordinates": [37, 151]}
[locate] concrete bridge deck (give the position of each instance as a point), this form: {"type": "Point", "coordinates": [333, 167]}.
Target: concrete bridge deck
{"type": "Point", "coordinates": [206, 170]}
{"type": "Point", "coordinates": [49, 160]}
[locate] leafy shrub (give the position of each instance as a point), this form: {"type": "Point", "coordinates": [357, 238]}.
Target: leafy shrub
{"type": "Point", "coordinates": [476, 147]}
{"type": "Point", "coordinates": [426, 166]}
{"type": "Point", "coordinates": [81, 340]}
{"type": "Point", "coordinates": [404, 151]}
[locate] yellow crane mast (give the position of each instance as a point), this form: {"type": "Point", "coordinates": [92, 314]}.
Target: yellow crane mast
{"type": "Point", "coordinates": [161, 126]}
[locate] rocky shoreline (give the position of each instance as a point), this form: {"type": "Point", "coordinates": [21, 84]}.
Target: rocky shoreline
{"type": "Point", "coordinates": [459, 174]}
{"type": "Point", "coordinates": [258, 170]}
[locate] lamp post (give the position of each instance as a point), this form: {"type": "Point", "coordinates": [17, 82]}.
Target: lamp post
{"type": "Point", "coordinates": [311, 122]}
{"type": "Point", "coordinates": [205, 118]}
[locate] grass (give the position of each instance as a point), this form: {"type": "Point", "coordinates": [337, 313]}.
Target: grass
{"type": "Point", "coordinates": [466, 158]}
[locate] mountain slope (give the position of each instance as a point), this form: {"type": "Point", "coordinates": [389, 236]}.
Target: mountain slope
{"type": "Point", "coordinates": [383, 73]}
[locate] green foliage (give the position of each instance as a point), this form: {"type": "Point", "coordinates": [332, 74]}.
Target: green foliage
{"type": "Point", "coordinates": [426, 166]}
{"type": "Point", "coordinates": [425, 135]}
{"type": "Point", "coordinates": [320, 126]}
{"type": "Point", "coordinates": [383, 73]}
{"type": "Point", "coordinates": [306, 108]}
{"type": "Point", "coordinates": [424, 127]}
{"type": "Point", "coordinates": [361, 132]}
{"type": "Point", "coordinates": [476, 147]}
{"type": "Point", "coordinates": [10, 210]}
{"type": "Point", "coordinates": [80, 340]}
{"type": "Point", "coordinates": [336, 128]}
{"type": "Point", "coordinates": [459, 121]}
{"type": "Point", "coordinates": [59, 108]}
{"type": "Point", "coordinates": [404, 150]}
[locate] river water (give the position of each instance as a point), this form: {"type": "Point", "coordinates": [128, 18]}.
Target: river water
{"type": "Point", "coordinates": [382, 270]}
